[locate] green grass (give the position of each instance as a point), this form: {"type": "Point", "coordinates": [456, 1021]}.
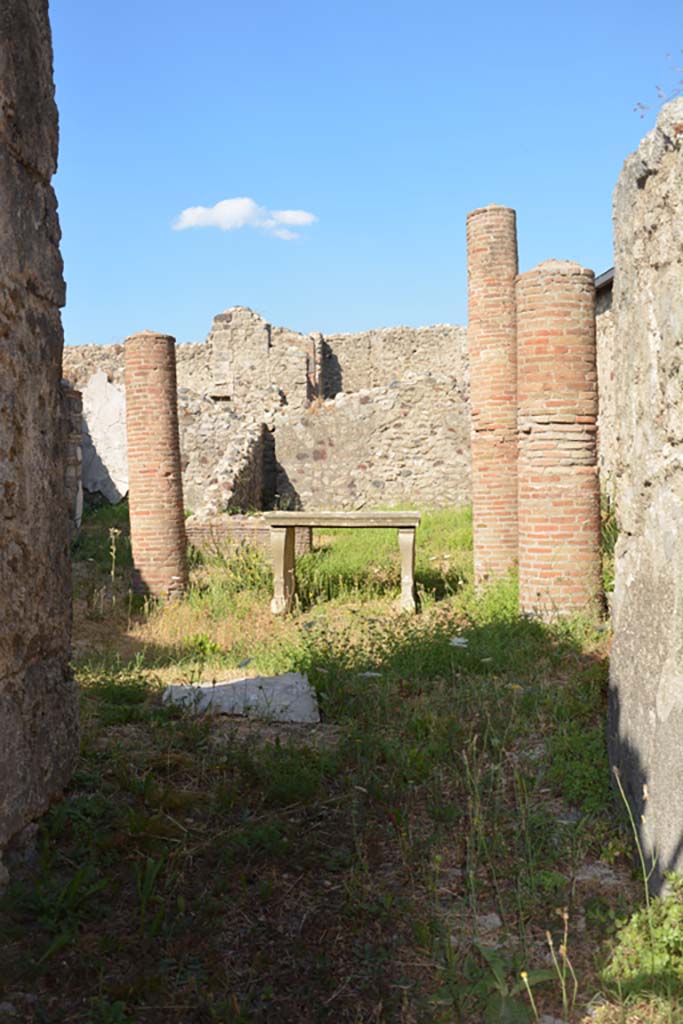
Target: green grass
{"type": "Point", "coordinates": [107, 516]}
{"type": "Point", "coordinates": [648, 956]}
{"type": "Point", "coordinates": [362, 565]}
{"type": "Point", "coordinates": [196, 873]}
{"type": "Point", "coordinates": [609, 535]}
{"type": "Point", "coordinates": [98, 524]}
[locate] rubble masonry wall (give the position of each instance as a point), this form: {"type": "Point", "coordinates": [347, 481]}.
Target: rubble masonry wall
{"type": "Point", "coordinates": [646, 667]}
{"type": "Point", "coordinates": [38, 702]}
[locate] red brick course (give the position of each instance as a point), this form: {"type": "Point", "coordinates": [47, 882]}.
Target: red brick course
{"type": "Point", "coordinates": [558, 493]}
{"type": "Point", "coordinates": [492, 270]}
{"type": "Point", "coordinates": [157, 523]}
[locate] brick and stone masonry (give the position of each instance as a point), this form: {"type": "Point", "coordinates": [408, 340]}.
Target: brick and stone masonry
{"type": "Point", "coordinates": [492, 269]}
{"type": "Point", "coordinates": [38, 697]}
{"type": "Point", "coordinates": [559, 498]}
{"type": "Point", "coordinates": [157, 524]}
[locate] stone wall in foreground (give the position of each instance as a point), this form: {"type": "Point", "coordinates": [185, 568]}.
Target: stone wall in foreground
{"type": "Point", "coordinates": [38, 709]}
{"type": "Point", "coordinates": [646, 672]}
{"type": "Point", "coordinates": [408, 442]}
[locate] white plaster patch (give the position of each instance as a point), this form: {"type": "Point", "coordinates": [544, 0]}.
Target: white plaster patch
{"type": "Point", "coordinates": [105, 454]}
{"type": "Point", "coordinates": [285, 698]}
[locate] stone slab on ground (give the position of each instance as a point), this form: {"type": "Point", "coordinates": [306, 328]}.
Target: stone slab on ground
{"type": "Point", "coordinates": [285, 698]}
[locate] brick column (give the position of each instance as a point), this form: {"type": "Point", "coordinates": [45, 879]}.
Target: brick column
{"type": "Point", "coordinates": [559, 498]}
{"type": "Point", "coordinates": [157, 523]}
{"type": "Point", "coordinates": [492, 341]}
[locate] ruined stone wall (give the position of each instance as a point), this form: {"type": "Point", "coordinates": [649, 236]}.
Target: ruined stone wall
{"type": "Point", "coordinates": [374, 358]}
{"type": "Point", "coordinates": [408, 442]}
{"type": "Point", "coordinates": [646, 672]}
{"type": "Point", "coordinates": [289, 370]}
{"type": "Point", "coordinates": [221, 455]}
{"type": "Point", "coordinates": [233, 384]}
{"type": "Point", "coordinates": [81, 362]}
{"type": "Point", "coordinates": [226, 431]}
{"type": "Point", "coordinates": [193, 366]}
{"type": "Point", "coordinates": [250, 358]}
{"type": "Point", "coordinates": [270, 358]}
{"type": "Point", "coordinates": [38, 709]}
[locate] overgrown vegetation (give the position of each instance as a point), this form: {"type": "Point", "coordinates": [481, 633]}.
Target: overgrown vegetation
{"type": "Point", "coordinates": [610, 533]}
{"type": "Point", "coordinates": [442, 848]}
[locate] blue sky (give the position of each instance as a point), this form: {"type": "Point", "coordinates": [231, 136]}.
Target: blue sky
{"type": "Point", "coordinates": [366, 130]}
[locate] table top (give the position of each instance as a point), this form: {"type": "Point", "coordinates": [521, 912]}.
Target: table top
{"type": "Point", "coordinates": [368, 520]}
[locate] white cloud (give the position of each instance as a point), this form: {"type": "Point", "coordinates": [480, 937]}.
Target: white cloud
{"type": "Point", "coordinates": [232, 214]}
{"type": "Point", "coordinates": [227, 215]}
{"type": "Point", "coordinates": [293, 217]}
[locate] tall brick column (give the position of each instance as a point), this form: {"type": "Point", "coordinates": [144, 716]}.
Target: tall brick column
{"type": "Point", "coordinates": [492, 340]}
{"type": "Point", "coordinates": [559, 498]}
{"type": "Point", "coordinates": [157, 522]}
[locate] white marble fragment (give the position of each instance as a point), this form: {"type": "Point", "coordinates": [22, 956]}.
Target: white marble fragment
{"type": "Point", "coordinates": [285, 698]}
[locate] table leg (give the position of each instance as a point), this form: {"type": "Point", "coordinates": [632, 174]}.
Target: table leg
{"type": "Point", "coordinates": [284, 578]}
{"type": "Point", "coordinates": [406, 544]}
